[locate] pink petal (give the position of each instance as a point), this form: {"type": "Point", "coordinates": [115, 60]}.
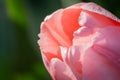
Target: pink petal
{"type": "Point", "coordinates": [87, 20]}
{"type": "Point", "coordinates": [70, 20]}
{"type": "Point", "coordinates": [93, 14]}
{"type": "Point", "coordinates": [98, 67]}
{"type": "Point", "coordinates": [92, 7]}
{"type": "Point", "coordinates": [101, 62]}
{"type": "Point", "coordinates": [57, 30]}
{"type": "Point", "coordinates": [61, 71]}
{"type": "Point", "coordinates": [72, 58]}
{"type": "Point", "coordinates": [109, 38]}
{"type": "Point", "coordinates": [46, 37]}
{"type": "Point", "coordinates": [108, 41]}
{"type": "Point", "coordinates": [112, 56]}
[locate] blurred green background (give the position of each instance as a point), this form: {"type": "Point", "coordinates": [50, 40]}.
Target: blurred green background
{"type": "Point", "coordinates": [20, 57]}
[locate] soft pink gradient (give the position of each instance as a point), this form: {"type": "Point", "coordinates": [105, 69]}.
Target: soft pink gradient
{"type": "Point", "coordinates": [81, 42]}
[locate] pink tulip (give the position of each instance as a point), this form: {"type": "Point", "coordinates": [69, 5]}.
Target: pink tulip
{"type": "Point", "coordinates": [81, 42]}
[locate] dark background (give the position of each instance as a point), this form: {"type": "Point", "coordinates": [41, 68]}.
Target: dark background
{"type": "Point", "coordinates": [20, 57]}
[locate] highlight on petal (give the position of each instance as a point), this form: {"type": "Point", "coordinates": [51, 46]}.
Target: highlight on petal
{"type": "Point", "coordinates": [92, 7]}
{"type": "Point", "coordinates": [87, 20]}
{"type": "Point", "coordinates": [96, 13]}
{"type": "Point", "coordinates": [72, 59]}
{"type": "Point", "coordinates": [83, 31]}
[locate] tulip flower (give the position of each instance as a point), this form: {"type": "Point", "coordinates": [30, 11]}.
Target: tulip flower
{"type": "Point", "coordinates": [81, 42]}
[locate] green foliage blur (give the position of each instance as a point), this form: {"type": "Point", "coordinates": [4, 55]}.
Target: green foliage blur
{"type": "Point", "coordinates": [20, 57]}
